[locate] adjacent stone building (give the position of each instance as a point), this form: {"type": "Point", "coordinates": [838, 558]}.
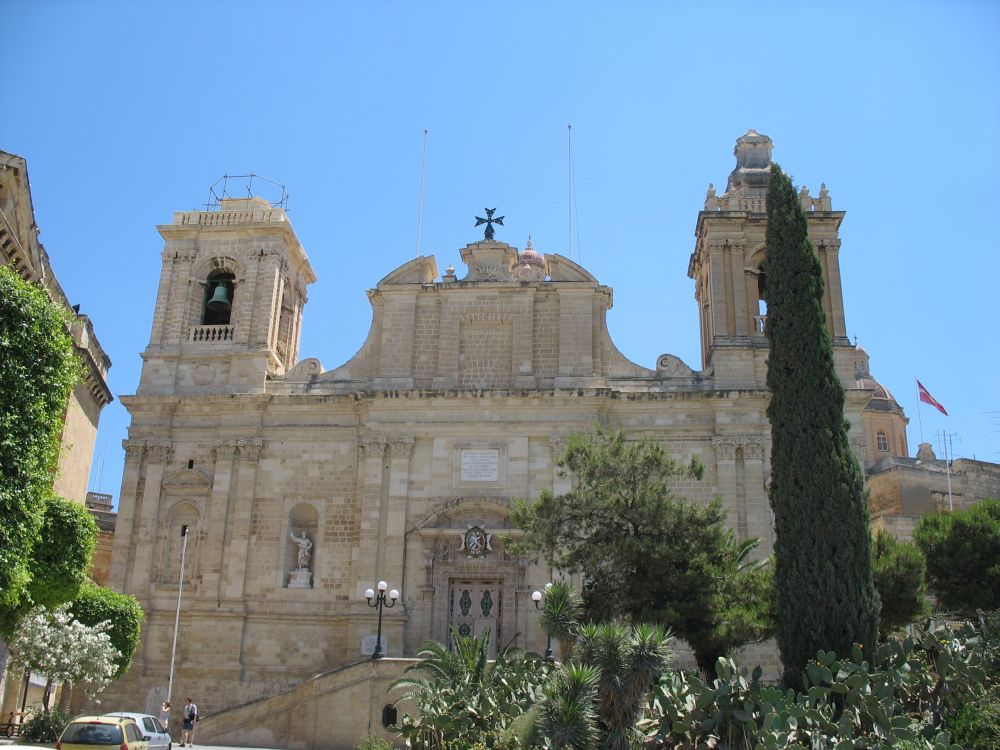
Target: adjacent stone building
{"type": "Point", "coordinates": [402, 463]}
{"type": "Point", "coordinates": [20, 248]}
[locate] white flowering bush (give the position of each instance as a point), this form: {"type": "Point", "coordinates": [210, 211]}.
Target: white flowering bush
{"type": "Point", "coordinates": [52, 643]}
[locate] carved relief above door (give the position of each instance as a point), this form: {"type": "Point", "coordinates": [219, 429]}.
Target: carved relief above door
{"type": "Point", "coordinates": [475, 605]}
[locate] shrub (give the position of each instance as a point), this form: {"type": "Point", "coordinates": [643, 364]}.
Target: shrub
{"type": "Point", "coordinates": [371, 742]}
{"type": "Point", "coordinates": [45, 726]}
{"type": "Point", "coordinates": [976, 723]}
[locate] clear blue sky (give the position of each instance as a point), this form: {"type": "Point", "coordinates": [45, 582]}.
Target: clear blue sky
{"type": "Point", "coordinates": [127, 112]}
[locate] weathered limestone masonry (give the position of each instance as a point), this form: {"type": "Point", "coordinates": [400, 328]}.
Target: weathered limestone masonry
{"type": "Point", "coordinates": [302, 486]}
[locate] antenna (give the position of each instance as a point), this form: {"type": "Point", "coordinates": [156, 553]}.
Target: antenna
{"type": "Point", "coordinates": [220, 190]}
{"type": "Point", "coordinates": [945, 441]}
{"type": "Point", "coordinates": [420, 205]}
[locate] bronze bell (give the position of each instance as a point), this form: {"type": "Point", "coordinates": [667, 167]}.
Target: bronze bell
{"type": "Point", "coordinates": [220, 298]}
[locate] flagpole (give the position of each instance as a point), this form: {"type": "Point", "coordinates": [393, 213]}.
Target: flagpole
{"type": "Point", "coordinates": [920, 421]}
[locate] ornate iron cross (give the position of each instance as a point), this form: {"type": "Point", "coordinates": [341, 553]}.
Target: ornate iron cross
{"type": "Point", "coordinates": [489, 221]}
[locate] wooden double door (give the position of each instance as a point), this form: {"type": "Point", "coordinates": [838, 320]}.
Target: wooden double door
{"type": "Point", "coordinates": [475, 605]}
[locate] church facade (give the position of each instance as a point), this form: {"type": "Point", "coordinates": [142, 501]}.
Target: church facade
{"type": "Point", "coordinates": [302, 487]}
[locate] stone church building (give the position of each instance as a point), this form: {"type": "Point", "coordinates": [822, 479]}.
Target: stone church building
{"type": "Point", "coordinates": [402, 463]}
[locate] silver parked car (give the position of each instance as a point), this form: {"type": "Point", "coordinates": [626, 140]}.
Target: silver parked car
{"type": "Point", "coordinates": [151, 727]}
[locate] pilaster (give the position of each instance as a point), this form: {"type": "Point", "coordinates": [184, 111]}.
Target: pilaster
{"type": "Point", "coordinates": [158, 455]}
{"type": "Point", "coordinates": [234, 573]}
{"type": "Point", "coordinates": [371, 477]}
{"type": "Point", "coordinates": [128, 505]}
{"type": "Point", "coordinates": [392, 544]}
{"type": "Point", "coordinates": [217, 529]}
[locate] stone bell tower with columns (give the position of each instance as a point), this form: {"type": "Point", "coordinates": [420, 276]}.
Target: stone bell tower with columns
{"type": "Point", "coordinates": [726, 267]}
{"type": "Point", "coordinates": [229, 306]}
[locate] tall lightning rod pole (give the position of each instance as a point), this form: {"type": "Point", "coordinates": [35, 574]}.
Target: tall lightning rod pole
{"type": "Point", "coordinates": [177, 614]}
{"type": "Point", "coordinates": [569, 144]}
{"type": "Point", "coordinates": [420, 207]}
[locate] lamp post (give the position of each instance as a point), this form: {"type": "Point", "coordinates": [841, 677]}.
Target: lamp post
{"type": "Point", "coordinates": [536, 597]}
{"type": "Point", "coordinates": [380, 602]}
{"type": "Point", "coordinates": [177, 614]}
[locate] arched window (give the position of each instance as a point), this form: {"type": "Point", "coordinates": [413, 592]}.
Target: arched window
{"type": "Point", "coordinates": [220, 290]}
{"type": "Point", "coordinates": [882, 442]}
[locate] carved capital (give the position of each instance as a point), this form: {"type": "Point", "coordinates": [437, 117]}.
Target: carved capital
{"type": "Point", "coordinates": [372, 444]}
{"type": "Point", "coordinates": [558, 445]}
{"type": "Point", "coordinates": [133, 449]}
{"type": "Point", "coordinates": [830, 246]}
{"type": "Point", "coordinates": [250, 449]}
{"type": "Point", "coordinates": [225, 450]}
{"type": "Point", "coordinates": [158, 451]}
{"type": "Point", "coordinates": [752, 447]}
{"type": "Point", "coordinates": [401, 446]}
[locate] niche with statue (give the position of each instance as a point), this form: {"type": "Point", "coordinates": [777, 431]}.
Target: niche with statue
{"type": "Point", "coordinates": [300, 549]}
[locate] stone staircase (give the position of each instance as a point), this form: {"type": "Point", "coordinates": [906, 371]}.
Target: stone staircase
{"type": "Point", "coordinates": [332, 710]}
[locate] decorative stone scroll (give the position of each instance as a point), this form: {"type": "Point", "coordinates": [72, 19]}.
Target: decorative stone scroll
{"type": "Point", "coordinates": [671, 366]}
{"type": "Point", "coordinates": [753, 447]}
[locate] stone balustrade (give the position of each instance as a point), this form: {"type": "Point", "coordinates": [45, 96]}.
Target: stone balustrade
{"type": "Point", "coordinates": [212, 333]}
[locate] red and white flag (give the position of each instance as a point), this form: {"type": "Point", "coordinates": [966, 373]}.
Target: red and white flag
{"type": "Point", "coordinates": [927, 398]}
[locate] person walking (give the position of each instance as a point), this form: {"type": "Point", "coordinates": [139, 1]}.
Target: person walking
{"type": "Point", "coordinates": [190, 721]}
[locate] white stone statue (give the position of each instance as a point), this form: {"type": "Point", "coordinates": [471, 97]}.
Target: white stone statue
{"type": "Point", "coordinates": [304, 550]}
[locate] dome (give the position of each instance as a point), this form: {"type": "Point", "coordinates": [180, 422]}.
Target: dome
{"type": "Point", "coordinates": [531, 256]}
{"type": "Point", "coordinates": [882, 398]}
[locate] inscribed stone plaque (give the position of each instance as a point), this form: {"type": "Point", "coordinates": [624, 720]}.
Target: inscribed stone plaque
{"type": "Point", "coordinates": [480, 465]}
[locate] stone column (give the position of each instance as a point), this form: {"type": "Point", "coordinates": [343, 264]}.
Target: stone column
{"type": "Point", "coordinates": [128, 501]}
{"type": "Point", "coordinates": [392, 543]}
{"type": "Point", "coordinates": [158, 454]}
{"type": "Point", "coordinates": [235, 558]}
{"type": "Point", "coordinates": [216, 527]}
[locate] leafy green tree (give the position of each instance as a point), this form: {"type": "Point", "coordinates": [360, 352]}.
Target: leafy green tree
{"type": "Point", "coordinates": [826, 596]}
{"type": "Point", "coordinates": [900, 581]}
{"type": "Point", "coordinates": [61, 558]}
{"type": "Point", "coordinates": [38, 369]}
{"type": "Point", "coordinates": [963, 556]}
{"type": "Point", "coordinates": [123, 615]}
{"type": "Point", "coordinates": [645, 554]}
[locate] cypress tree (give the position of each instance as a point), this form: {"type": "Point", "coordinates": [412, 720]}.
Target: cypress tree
{"type": "Point", "coordinates": [826, 597]}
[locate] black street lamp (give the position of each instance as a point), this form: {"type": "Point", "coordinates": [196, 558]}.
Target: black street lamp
{"type": "Point", "coordinates": [536, 597]}
{"type": "Point", "coordinates": [380, 602]}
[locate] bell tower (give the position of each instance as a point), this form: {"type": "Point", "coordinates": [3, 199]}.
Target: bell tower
{"type": "Point", "coordinates": [229, 305]}
{"type": "Point", "coordinates": [730, 248]}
